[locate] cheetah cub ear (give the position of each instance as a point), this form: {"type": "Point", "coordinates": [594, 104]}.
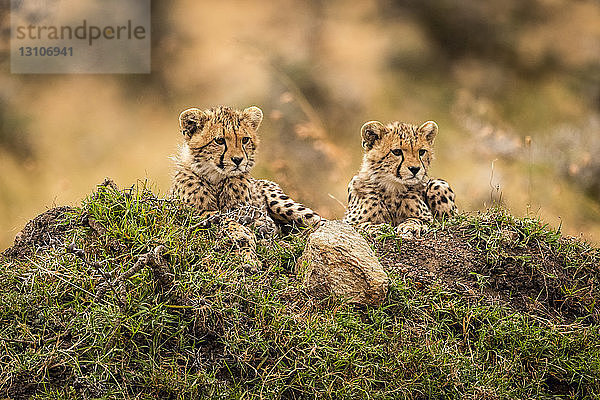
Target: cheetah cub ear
{"type": "Point", "coordinates": [191, 121]}
{"type": "Point", "coordinates": [429, 129]}
{"type": "Point", "coordinates": [254, 116]}
{"type": "Point", "coordinates": [371, 132]}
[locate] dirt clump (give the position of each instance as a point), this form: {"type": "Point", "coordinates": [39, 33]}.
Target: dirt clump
{"type": "Point", "coordinates": [532, 278]}
{"type": "Point", "coordinates": [46, 230]}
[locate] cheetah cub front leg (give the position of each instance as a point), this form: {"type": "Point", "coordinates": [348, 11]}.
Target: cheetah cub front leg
{"type": "Point", "coordinates": [440, 198]}
{"type": "Point", "coordinates": [439, 202]}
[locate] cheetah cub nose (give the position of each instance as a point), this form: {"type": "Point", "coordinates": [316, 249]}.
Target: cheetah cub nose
{"type": "Point", "coordinates": [237, 160]}
{"type": "Point", "coordinates": [414, 170]}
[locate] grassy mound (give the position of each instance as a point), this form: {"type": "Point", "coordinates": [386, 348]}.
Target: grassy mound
{"type": "Point", "coordinates": [484, 307]}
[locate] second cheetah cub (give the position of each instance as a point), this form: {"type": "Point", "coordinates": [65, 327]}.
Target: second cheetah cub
{"type": "Point", "coordinates": [392, 185]}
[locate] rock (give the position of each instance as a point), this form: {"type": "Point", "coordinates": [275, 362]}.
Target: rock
{"type": "Point", "coordinates": [338, 261]}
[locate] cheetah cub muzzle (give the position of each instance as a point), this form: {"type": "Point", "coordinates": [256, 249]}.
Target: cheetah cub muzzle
{"type": "Point", "coordinates": [392, 185]}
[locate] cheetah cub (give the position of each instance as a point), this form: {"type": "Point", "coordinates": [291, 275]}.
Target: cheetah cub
{"type": "Point", "coordinates": [213, 170]}
{"type": "Point", "coordinates": [392, 185]}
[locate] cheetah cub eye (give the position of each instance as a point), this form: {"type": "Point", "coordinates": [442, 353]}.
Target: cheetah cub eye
{"type": "Point", "coordinates": [397, 152]}
{"type": "Point", "coordinates": [220, 140]}
{"type": "Point", "coordinates": [422, 152]}
{"type": "Point", "coordinates": [245, 140]}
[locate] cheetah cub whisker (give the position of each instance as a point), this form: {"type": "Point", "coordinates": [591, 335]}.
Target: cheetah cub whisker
{"type": "Point", "coordinates": [212, 173]}
{"type": "Point", "coordinates": [392, 186]}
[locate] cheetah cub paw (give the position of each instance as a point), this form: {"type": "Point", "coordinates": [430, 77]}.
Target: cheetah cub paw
{"type": "Point", "coordinates": [266, 228]}
{"type": "Point", "coordinates": [410, 229]}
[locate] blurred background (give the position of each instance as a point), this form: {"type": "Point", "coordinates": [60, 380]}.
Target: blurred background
{"type": "Point", "coordinates": [514, 86]}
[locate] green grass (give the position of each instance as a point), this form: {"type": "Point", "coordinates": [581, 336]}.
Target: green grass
{"type": "Point", "coordinates": [220, 332]}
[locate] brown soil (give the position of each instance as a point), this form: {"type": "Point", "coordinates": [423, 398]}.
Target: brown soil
{"type": "Point", "coordinates": [450, 259]}
{"type": "Point", "coordinates": [46, 230]}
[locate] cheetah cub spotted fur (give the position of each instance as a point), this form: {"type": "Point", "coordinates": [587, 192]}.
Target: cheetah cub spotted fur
{"type": "Point", "coordinates": [392, 185]}
{"type": "Point", "coordinates": [213, 173]}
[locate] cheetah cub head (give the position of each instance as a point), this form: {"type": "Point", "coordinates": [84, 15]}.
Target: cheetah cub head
{"type": "Point", "coordinates": [220, 141]}
{"type": "Point", "coordinates": [398, 153]}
